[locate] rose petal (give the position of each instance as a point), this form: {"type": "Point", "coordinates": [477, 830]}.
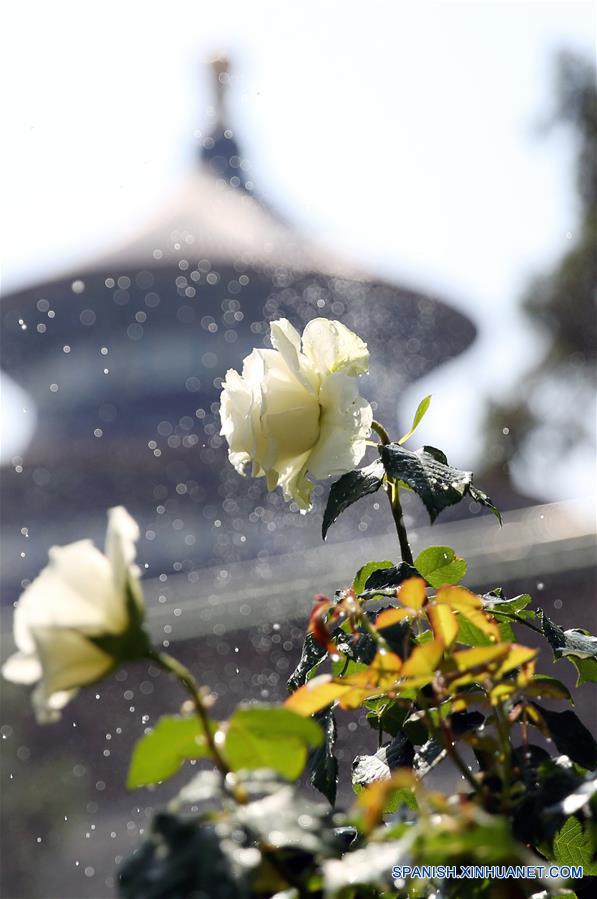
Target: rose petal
{"type": "Point", "coordinates": [345, 423]}
{"type": "Point", "coordinates": [331, 347]}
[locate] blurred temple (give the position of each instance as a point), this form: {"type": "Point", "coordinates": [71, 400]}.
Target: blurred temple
{"type": "Point", "coordinates": [124, 359]}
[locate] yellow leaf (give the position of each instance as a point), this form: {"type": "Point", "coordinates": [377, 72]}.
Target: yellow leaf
{"type": "Point", "coordinates": [392, 616]}
{"type": "Point", "coordinates": [373, 799]}
{"type": "Point", "coordinates": [470, 606]}
{"type": "Point", "coordinates": [424, 659]}
{"type": "Point", "coordinates": [518, 656]}
{"type": "Point", "coordinates": [383, 671]}
{"type": "Point", "coordinates": [480, 656]}
{"type": "Point", "coordinates": [537, 719]}
{"type": "Point", "coordinates": [412, 593]}
{"type": "Point", "coordinates": [458, 597]}
{"type": "Point", "coordinates": [501, 692]}
{"type": "Point", "coordinates": [482, 621]}
{"type": "Point", "coordinates": [315, 695]}
{"type": "Point", "coordinates": [381, 675]}
{"type": "Point", "coordinates": [464, 701]}
{"type": "Point", "coordinates": [444, 623]}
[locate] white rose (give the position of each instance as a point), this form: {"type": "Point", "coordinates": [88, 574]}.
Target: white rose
{"type": "Point", "coordinates": [79, 617]}
{"type": "Point", "coordinates": [296, 409]}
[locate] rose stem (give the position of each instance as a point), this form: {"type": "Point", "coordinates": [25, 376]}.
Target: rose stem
{"type": "Point", "coordinates": [182, 673]}
{"type": "Point", "coordinates": [393, 493]}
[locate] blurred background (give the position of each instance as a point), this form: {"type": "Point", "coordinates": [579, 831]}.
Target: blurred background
{"type": "Point", "coordinates": [173, 178]}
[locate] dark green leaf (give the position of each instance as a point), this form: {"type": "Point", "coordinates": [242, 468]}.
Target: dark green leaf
{"type": "Point", "coordinates": [323, 764]}
{"type": "Point", "coordinates": [398, 637]}
{"type": "Point", "coordinates": [571, 736]}
{"type": "Point", "coordinates": [350, 488]}
{"type": "Point", "coordinates": [464, 722]}
{"type": "Point", "coordinates": [440, 565]}
{"type": "Point", "coordinates": [389, 578]}
{"type": "Point", "coordinates": [160, 753]}
{"type": "Point", "coordinates": [577, 646]}
{"type": "Point", "coordinates": [552, 788]}
{"type": "Point", "coordinates": [183, 859]}
{"type": "Point", "coordinates": [428, 756]}
{"type": "Point", "coordinates": [270, 736]}
{"type": "Point", "coordinates": [398, 753]}
{"type": "Point", "coordinates": [290, 821]}
{"type": "Point", "coordinates": [415, 730]}
{"type": "Point", "coordinates": [312, 655]}
{"type": "Point", "coordinates": [488, 837]}
{"type": "Point", "coordinates": [364, 573]}
{"type": "Point", "coordinates": [573, 846]}
{"type": "Point", "coordinates": [363, 873]}
{"type": "Point", "coordinates": [359, 647]}
{"type": "Point", "coordinates": [579, 796]}
{"type": "Point", "coordinates": [426, 472]}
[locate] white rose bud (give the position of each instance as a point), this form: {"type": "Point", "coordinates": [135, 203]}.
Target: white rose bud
{"type": "Point", "coordinates": [79, 618]}
{"type": "Point", "coordinates": [296, 409]}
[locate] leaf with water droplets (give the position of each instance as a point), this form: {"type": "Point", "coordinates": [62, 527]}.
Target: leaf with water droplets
{"type": "Point", "coordinates": [428, 474]}
{"type": "Point", "coordinates": [577, 646]}
{"type": "Point", "coordinates": [350, 488]}
{"type": "Point", "coordinates": [440, 565]}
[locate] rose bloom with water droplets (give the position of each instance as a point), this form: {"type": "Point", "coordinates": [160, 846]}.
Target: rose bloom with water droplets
{"type": "Point", "coordinates": [79, 617]}
{"type": "Point", "coordinates": [296, 410]}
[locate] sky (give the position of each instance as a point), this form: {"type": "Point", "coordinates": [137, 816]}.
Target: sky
{"type": "Point", "coordinates": [406, 134]}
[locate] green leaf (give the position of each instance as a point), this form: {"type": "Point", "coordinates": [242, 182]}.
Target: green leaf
{"type": "Point", "coordinates": [323, 765]}
{"type": "Point", "coordinates": [350, 488]}
{"type": "Point", "coordinates": [364, 573]}
{"type": "Point", "coordinates": [427, 472]}
{"type": "Point", "coordinates": [470, 635]}
{"type": "Point", "coordinates": [544, 687]}
{"type": "Point", "coordinates": [387, 714]}
{"type": "Point", "coordinates": [160, 753]}
{"type": "Point", "coordinates": [270, 736]}
{"type": "Point", "coordinates": [495, 603]}
{"type": "Point", "coordinates": [440, 565]}
{"type": "Point", "coordinates": [573, 846]}
{"type": "Point", "coordinates": [571, 736]}
{"type": "Point", "coordinates": [586, 668]}
{"type": "Point", "coordinates": [340, 667]}
{"type": "Point", "coordinates": [576, 645]}
{"type": "Point", "coordinates": [421, 410]}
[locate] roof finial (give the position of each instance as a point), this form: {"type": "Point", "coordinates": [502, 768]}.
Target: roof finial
{"type": "Point", "coordinates": [220, 66]}
{"type": "Point", "coordinates": [220, 152]}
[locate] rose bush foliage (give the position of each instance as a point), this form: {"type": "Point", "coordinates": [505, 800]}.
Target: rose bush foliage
{"type": "Point", "coordinates": [440, 672]}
